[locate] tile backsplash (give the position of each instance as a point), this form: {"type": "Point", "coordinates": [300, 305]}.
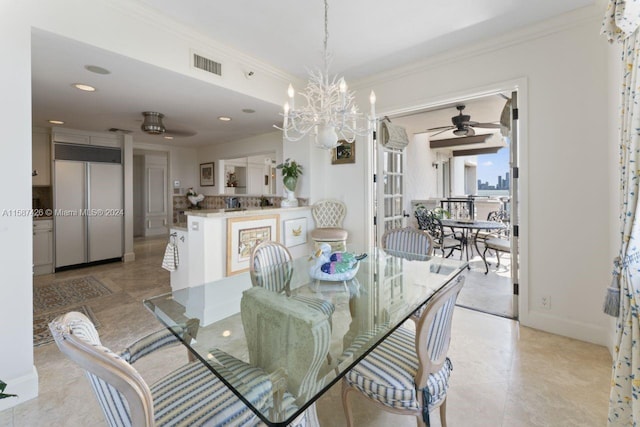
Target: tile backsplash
{"type": "Point", "coordinates": [181, 204]}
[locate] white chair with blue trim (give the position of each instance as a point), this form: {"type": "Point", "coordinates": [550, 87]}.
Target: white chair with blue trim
{"type": "Point", "coordinates": [191, 395]}
{"type": "Point", "coordinates": [271, 268]}
{"type": "Point", "coordinates": [408, 243]}
{"type": "Point", "coordinates": [408, 373]}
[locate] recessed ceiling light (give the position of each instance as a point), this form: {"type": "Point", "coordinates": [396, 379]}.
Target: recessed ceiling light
{"type": "Point", "coordinates": [56, 122]}
{"type": "Point", "coordinates": [248, 110]}
{"type": "Point", "coordinates": [96, 69]}
{"type": "Point", "coordinates": [84, 87]}
{"type": "Point", "coordinates": [224, 118]}
{"type": "Point", "coordinates": [168, 137]}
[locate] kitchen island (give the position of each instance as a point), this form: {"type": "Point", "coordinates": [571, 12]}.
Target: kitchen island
{"type": "Point", "coordinates": [209, 247]}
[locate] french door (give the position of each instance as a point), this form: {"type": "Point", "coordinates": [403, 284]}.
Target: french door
{"type": "Point", "coordinates": [391, 164]}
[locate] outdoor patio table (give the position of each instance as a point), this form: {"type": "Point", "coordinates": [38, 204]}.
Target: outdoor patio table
{"type": "Point", "coordinates": [467, 227]}
{"type": "Point", "coordinates": [277, 353]}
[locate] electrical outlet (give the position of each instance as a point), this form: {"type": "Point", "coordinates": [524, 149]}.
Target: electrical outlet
{"type": "Point", "coordinates": [545, 302]}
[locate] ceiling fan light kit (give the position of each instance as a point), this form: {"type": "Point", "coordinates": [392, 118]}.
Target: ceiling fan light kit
{"type": "Point", "coordinates": [152, 123]}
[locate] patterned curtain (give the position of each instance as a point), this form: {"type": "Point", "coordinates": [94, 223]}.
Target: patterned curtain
{"type": "Point", "coordinates": [620, 25]}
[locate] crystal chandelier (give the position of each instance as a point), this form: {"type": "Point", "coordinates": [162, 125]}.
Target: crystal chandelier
{"type": "Point", "coordinates": [330, 114]}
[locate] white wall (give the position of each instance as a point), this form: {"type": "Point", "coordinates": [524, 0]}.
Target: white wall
{"type": "Point", "coordinates": [16, 345]}
{"type": "Point", "coordinates": [565, 173]}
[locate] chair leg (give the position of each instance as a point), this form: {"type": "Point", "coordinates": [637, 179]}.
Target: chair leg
{"type": "Point", "coordinates": [443, 413]}
{"type": "Point", "coordinates": [345, 403]}
{"type": "Point", "coordinates": [484, 258]}
{"type": "Point", "coordinates": [498, 256]}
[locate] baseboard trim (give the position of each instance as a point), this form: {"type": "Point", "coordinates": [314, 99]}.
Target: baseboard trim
{"type": "Point", "coordinates": [568, 328]}
{"type": "Point", "coordinates": [26, 387]}
{"type": "Point", "coordinates": [129, 257]}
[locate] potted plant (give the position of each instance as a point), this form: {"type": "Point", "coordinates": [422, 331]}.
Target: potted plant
{"type": "Point", "coordinates": [291, 170]}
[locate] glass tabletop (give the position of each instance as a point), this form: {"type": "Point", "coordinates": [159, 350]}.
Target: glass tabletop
{"type": "Point", "coordinates": [281, 337]}
{"type": "Point", "coordinates": [473, 224]}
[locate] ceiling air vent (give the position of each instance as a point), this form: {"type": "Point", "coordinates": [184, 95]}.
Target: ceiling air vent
{"type": "Point", "coordinates": [207, 64]}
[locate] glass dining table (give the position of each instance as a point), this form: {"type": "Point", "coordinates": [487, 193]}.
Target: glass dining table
{"type": "Point", "coordinates": [279, 352]}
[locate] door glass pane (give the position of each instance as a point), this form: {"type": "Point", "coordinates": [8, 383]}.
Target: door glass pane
{"type": "Point", "coordinates": [397, 188]}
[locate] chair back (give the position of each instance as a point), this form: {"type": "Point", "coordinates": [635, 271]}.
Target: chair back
{"type": "Point", "coordinates": [433, 331]}
{"type": "Point", "coordinates": [271, 266]}
{"type": "Point", "coordinates": [429, 222]}
{"type": "Point", "coordinates": [124, 396]}
{"type": "Point", "coordinates": [498, 216]}
{"type": "Point", "coordinates": [406, 242]}
{"type": "Point", "coordinates": [328, 213]}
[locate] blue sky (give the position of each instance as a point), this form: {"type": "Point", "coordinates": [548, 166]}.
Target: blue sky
{"type": "Point", "coordinates": [492, 165]}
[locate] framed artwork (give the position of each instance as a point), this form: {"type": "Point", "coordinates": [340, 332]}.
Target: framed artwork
{"type": "Point", "coordinates": [243, 234]}
{"type": "Point", "coordinates": [344, 153]}
{"type": "Point", "coordinates": [295, 232]}
{"type": "Point", "coordinates": [207, 176]}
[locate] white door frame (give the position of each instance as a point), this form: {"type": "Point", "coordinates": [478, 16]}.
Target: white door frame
{"type": "Point", "coordinates": [520, 85]}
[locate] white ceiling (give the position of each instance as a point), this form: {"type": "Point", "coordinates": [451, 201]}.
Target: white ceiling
{"type": "Point", "coordinates": [365, 38]}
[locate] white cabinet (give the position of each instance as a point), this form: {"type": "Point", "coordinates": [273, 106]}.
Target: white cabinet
{"type": "Point", "coordinates": [41, 158]}
{"type": "Point", "coordinates": [71, 136]}
{"type": "Point", "coordinates": [42, 246]}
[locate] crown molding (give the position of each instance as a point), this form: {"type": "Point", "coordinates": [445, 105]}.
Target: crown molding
{"type": "Point", "coordinates": [197, 40]}
{"type": "Point", "coordinates": [566, 21]}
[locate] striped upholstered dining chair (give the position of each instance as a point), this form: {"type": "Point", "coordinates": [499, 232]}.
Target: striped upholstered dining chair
{"type": "Point", "coordinates": [190, 393]}
{"type": "Point", "coordinates": [409, 372]}
{"type": "Point", "coordinates": [271, 268]}
{"type": "Point", "coordinates": [408, 243]}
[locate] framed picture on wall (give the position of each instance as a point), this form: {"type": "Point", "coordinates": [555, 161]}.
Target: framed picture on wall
{"type": "Point", "coordinates": [207, 176]}
{"type": "Point", "coordinates": [344, 153]}
{"type": "Point", "coordinates": [244, 234]}
{"type": "Point", "coordinates": [295, 232]}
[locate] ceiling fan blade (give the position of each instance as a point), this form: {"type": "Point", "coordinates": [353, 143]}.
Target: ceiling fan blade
{"type": "Point", "coordinates": [486, 125]}
{"type": "Point", "coordinates": [440, 128]}
{"type": "Point", "coordinates": [180, 133]}
{"type": "Point", "coordinates": [443, 130]}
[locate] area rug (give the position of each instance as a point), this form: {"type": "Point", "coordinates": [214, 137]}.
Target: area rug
{"type": "Point", "coordinates": [51, 296]}
{"type": "Point", "coordinates": [41, 332]}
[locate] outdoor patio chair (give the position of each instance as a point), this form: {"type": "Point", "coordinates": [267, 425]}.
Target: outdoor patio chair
{"type": "Point", "coordinates": [409, 372]}
{"type": "Point", "coordinates": [431, 224]}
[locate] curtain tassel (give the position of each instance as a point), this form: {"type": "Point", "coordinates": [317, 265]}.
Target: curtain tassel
{"type": "Point", "coordinates": [612, 300]}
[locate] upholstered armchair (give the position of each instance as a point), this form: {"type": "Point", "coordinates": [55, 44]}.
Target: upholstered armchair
{"type": "Point", "coordinates": [409, 372]}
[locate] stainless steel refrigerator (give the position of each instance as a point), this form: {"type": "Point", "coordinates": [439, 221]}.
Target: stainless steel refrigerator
{"type": "Point", "coordinates": [88, 203]}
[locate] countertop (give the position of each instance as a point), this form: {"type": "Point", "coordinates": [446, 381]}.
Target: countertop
{"type": "Point", "coordinates": [231, 213]}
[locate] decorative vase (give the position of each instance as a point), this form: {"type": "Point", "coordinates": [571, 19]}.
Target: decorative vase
{"type": "Point", "coordinates": [289, 191]}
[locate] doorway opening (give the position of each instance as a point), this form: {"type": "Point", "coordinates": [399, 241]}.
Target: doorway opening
{"type": "Point", "coordinates": [150, 194]}
{"type": "Point", "coordinates": [477, 162]}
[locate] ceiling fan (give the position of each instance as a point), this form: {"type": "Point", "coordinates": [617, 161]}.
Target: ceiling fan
{"type": "Point", "coordinates": [153, 125]}
{"type": "Point", "coordinates": [462, 124]}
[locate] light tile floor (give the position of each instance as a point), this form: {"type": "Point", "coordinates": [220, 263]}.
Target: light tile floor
{"type": "Point", "coordinates": [504, 374]}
